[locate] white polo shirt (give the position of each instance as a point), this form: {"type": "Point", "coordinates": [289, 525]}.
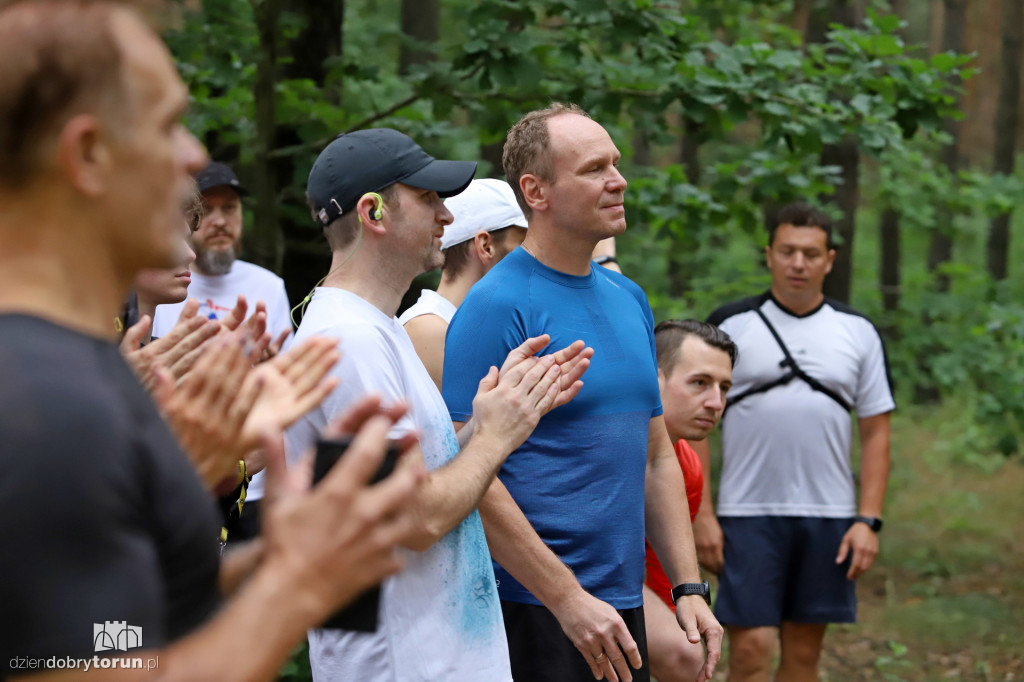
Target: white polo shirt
{"type": "Point", "coordinates": [786, 452]}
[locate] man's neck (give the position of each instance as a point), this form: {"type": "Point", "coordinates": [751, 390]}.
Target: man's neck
{"type": "Point", "coordinates": [370, 279]}
{"type": "Point", "coordinates": [456, 289]}
{"type": "Point", "coordinates": [65, 291]}
{"type": "Point", "coordinates": [558, 251]}
{"type": "Point", "coordinates": [798, 305]}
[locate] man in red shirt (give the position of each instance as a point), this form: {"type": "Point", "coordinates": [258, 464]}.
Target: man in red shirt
{"type": "Point", "coordinates": [695, 361]}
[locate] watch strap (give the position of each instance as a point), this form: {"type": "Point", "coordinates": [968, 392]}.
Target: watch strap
{"type": "Point", "coordinates": [872, 522]}
{"type": "Point", "coordinates": [702, 589]}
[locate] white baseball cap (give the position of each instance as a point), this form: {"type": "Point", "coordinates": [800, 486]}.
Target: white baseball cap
{"type": "Point", "coordinates": [486, 205]}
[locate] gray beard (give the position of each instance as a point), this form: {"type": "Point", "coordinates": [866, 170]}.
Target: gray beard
{"type": "Point", "coordinates": [215, 262]}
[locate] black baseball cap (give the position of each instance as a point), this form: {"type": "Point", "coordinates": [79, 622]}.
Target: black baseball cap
{"type": "Point", "coordinates": [370, 160]}
{"type": "Point", "coordinates": [219, 175]}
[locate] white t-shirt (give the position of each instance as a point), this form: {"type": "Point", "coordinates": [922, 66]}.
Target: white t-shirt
{"type": "Point", "coordinates": [217, 295]}
{"type": "Point", "coordinates": [430, 303]}
{"type": "Point", "coordinates": [440, 618]}
{"type": "Point", "coordinates": [786, 452]}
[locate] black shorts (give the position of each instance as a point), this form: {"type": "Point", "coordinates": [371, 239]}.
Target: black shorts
{"type": "Point", "coordinates": [783, 568]}
{"type": "Point", "coordinates": [541, 651]}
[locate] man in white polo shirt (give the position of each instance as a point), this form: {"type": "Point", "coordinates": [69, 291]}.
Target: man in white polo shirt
{"type": "Point", "coordinates": [488, 224]}
{"type": "Point", "coordinates": [795, 534]}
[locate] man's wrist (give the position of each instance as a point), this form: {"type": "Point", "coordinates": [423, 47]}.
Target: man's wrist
{"type": "Point", "coordinates": [697, 589]}
{"type": "Point", "coordinates": [872, 522]}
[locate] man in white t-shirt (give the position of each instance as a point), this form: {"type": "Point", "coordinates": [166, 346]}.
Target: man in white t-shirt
{"type": "Point", "coordinates": [487, 224]}
{"type": "Point", "coordinates": [795, 535]}
{"type": "Point", "coordinates": [219, 277]}
{"type": "Point", "coordinates": [378, 197]}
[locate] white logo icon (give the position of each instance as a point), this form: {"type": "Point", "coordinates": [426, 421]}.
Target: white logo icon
{"type": "Point", "coordinates": [116, 635]}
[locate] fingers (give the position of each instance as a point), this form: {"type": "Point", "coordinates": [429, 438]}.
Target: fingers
{"type": "Point", "coordinates": [490, 380]}
{"type": "Point", "coordinates": [526, 349]}
{"type": "Point", "coordinates": [844, 549]}
{"type": "Point", "coordinates": [363, 456]}
{"type": "Point", "coordinates": [544, 393]}
{"type": "Point", "coordinates": [163, 387]}
{"type": "Point", "coordinates": [570, 352]}
{"type": "Point", "coordinates": [135, 333]}
{"type": "Point", "coordinates": [276, 468]}
{"type": "Point", "coordinates": [568, 394]}
{"type": "Point", "coordinates": [713, 635]}
{"type": "Point", "coordinates": [237, 315]}
{"type": "Point", "coordinates": [188, 311]}
{"type": "Point", "coordinates": [278, 343]}
{"type": "Point", "coordinates": [574, 369]}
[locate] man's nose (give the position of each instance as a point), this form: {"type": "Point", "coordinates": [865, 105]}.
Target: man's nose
{"type": "Point", "coordinates": [716, 400]}
{"type": "Point", "coordinates": [444, 216]}
{"type": "Point", "coordinates": [616, 182]}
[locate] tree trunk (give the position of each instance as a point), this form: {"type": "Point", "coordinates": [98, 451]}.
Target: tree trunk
{"type": "Point", "coordinates": [941, 248]}
{"type": "Point", "coordinates": [689, 152]}
{"type": "Point", "coordinates": [889, 251]}
{"type": "Point", "coordinates": [306, 256]}
{"type": "Point", "coordinates": [1006, 130]}
{"type": "Point", "coordinates": [845, 155]}
{"type": "Point", "coordinates": [420, 22]}
{"type": "Point", "coordinates": [264, 236]}
{"type": "Point", "coordinates": [889, 261]}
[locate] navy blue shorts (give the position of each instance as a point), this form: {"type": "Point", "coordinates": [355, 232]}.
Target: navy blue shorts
{"type": "Point", "coordinates": [783, 568]}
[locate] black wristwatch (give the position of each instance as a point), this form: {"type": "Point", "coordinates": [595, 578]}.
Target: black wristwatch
{"type": "Point", "coordinates": [703, 589]}
{"type": "Point", "coordinates": [607, 258]}
{"type": "Point", "coordinates": [874, 523]}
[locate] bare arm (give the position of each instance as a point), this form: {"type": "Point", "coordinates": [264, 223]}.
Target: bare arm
{"type": "Point", "coordinates": [707, 533]}
{"type": "Point", "coordinates": [860, 540]}
{"type": "Point", "coordinates": [505, 413]}
{"type": "Point", "coordinates": [669, 532]}
{"type": "Point", "coordinates": [594, 626]}
{"type": "Point", "coordinates": [427, 335]}
{"type": "Point", "coordinates": [238, 564]}
{"type": "Point", "coordinates": [323, 547]}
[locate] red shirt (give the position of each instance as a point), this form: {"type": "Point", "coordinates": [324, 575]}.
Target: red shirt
{"type": "Point", "coordinates": [693, 474]}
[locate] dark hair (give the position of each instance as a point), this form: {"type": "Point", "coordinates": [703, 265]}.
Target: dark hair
{"type": "Point", "coordinates": [456, 257]}
{"type": "Point", "coordinates": [670, 334]}
{"type": "Point", "coordinates": [800, 214]}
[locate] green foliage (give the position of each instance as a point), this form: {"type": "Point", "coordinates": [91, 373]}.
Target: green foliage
{"type": "Point", "coordinates": [729, 74]}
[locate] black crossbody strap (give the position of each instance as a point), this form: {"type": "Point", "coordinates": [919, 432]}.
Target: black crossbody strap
{"type": "Point", "coordinates": [794, 371]}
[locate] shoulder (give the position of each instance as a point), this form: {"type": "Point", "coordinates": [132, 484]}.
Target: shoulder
{"type": "Point", "coordinates": [426, 327]}
{"type": "Point", "coordinates": [501, 292]}
{"type": "Point", "coordinates": [620, 280]}
{"type": "Point", "coordinates": [744, 305]}
{"type": "Point", "coordinates": [854, 319]}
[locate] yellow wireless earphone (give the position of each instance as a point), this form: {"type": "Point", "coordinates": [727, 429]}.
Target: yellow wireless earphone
{"type": "Point", "coordinates": [378, 212]}
{"type": "Point", "coordinates": [375, 214]}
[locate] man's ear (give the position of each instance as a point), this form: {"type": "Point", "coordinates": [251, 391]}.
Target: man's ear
{"type": "Point", "coordinates": [366, 207]}
{"type": "Point", "coordinates": [84, 155]}
{"type": "Point", "coordinates": [533, 188]}
{"type": "Point", "coordinates": [831, 260]}
{"type": "Point", "coordinates": [483, 247]}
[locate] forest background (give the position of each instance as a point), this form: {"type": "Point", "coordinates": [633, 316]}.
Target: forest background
{"type": "Point", "coordinates": [902, 117]}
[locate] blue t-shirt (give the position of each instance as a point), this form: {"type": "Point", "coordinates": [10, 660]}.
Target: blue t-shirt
{"type": "Point", "coordinates": [579, 479]}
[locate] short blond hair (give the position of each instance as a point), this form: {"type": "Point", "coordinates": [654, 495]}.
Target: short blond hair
{"type": "Point", "coordinates": [528, 147]}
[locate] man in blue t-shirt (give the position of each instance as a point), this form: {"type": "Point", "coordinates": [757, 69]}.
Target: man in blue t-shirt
{"type": "Point", "coordinates": [565, 521]}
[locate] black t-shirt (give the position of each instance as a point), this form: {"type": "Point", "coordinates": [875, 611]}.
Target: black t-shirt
{"type": "Point", "coordinates": [102, 517]}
